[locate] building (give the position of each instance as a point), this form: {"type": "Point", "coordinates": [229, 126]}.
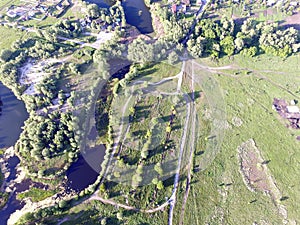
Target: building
{"type": "Point", "coordinates": [183, 9]}
{"type": "Point", "coordinates": [186, 2]}
{"type": "Point", "coordinates": [174, 8]}
{"type": "Point", "coordinates": [11, 14]}
{"type": "Point", "coordinates": [293, 109]}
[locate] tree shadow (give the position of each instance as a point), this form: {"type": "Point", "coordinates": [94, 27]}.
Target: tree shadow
{"type": "Point", "coordinates": [157, 151]}
{"type": "Point", "coordinates": [284, 198]}
{"type": "Point", "coordinates": [266, 162]}
{"type": "Point", "coordinates": [196, 94]}
{"type": "Point", "coordinates": [166, 118]}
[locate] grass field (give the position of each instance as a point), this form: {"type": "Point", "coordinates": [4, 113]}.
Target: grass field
{"type": "Point", "coordinates": [8, 36]}
{"type": "Point", "coordinates": [36, 194]}
{"type": "Point", "coordinates": [219, 195]}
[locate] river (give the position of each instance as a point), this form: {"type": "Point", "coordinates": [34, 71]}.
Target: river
{"type": "Point", "coordinates": [136, 12]}
{"type": "Point", "coordinates": [13, 115]}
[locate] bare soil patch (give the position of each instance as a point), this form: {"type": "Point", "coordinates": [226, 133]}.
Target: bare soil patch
{"type": "Point", "coordinates": [133, 33]}
{"type": "Point", "coordinates": [293, 21]}
{"type": "Point", "coordinates": [252, 169]}
{"type": "Point", "coordinates": [256, 175]}
{"type": "Point", "coordinates": [159, 29]}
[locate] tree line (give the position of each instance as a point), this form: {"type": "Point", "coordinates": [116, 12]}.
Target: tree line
{"type": "Point", "coordinates": [218, 38]}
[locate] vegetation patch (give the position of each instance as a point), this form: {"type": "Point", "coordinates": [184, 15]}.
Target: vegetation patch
{"type": "Point", "coordinates": [36, 194]}
{"type": "Point", "coordinates": [3, 199]}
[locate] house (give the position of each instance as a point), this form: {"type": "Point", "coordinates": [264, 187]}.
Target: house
{"type": "Point", "coordinates": [199, 2]}
{"type": "Point", "coordinates": [174, 8]}
{"type": "Point", "coordinates": [11, 14]}
{"type": "Point", "coordinates": [183, 8]}
{"type": "Point", "coordinates": [293, 109]}
{"type": "Point", "coordinates": [186, 2]}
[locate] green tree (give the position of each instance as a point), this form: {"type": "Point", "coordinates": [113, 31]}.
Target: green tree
{"type": "Point", "coordinates": [158, 169]}
{"type": "Point", "coordinates": [140, 51]}
{"type": "Point", "coordinates": [173, 58]}
{"type": "Point", "coordinates": [93, 11]}
{"type": "Point", "coordinates": [160, 185]}
{"type": "Point", "coordinates": [227, 45]}
{"type": "Point", "coordinates": [5, 55]}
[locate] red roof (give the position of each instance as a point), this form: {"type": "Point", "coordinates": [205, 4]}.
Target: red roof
{"type": "Point", "coordinates": [174, 8]}
{"type": "Point", "coordinates": [186, 2]}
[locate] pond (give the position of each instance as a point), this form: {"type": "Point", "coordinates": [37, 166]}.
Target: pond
{"type": "Point", "coordinates": [136, 12]}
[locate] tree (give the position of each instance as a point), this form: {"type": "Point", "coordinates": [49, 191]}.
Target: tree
{"type": "Point", "coordinates": [160, 185]}
{"type": "Point", "coordinates": [5, 55]}
{"type": "Point", "coordinates": [93, 11]}
{"type": "Point", "coordinates": [46, 153]}
{"type": "Point", "coordinates": [63, 204]}
{"type": "Point", "coordinates": [140, 51]}
{"type": "Point", "coordinates": [144, 154]}
{"type": "Point", "coordinates": [116, 174]}
{"type": "Point", "coordinates": [250, 52]}
{"type": "Point", "coordinates": [227, 45]}
{"type": "Point", "coordinates": [173, 58]}
{"type": "Point", "coordinates": [168, 129]}
{"type": "Point", "coordinates": [120, 216]}
{"type": "Point", "coordinates": [103, 221]}
{"type": "Point", "coordinates": [155, 181]}
{"type": "Point", "coordinates": [195, 47]}
{"type": "Point", "coordinates": [158, 169]}
{"type": "Point", "coordinates": [239, 44]}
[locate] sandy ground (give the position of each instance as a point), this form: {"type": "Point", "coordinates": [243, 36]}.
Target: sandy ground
{"type": "Point", "coordinates": [32, 74]}
{"type": "Point", "coordinates": [102, 37]}
{"type": "Point", "coordinates": [293, 20]}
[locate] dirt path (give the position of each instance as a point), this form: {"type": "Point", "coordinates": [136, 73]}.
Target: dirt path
{"type": "Point", "coordinates": [95, 196]}
{"type": "Point", "coordinates": [192, 148]}
{"type": "Point", "coordinates": [182, 146]}
{"type": "Point", "coordinates": [274, 83]}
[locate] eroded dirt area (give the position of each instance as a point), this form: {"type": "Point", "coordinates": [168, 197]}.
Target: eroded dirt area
{"type": "Point", "coordinates": [251, 167]}
{"type": "Point", "coordinates": [293, 20]}
{"type": "Point", "coordinates": [257, 176]}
